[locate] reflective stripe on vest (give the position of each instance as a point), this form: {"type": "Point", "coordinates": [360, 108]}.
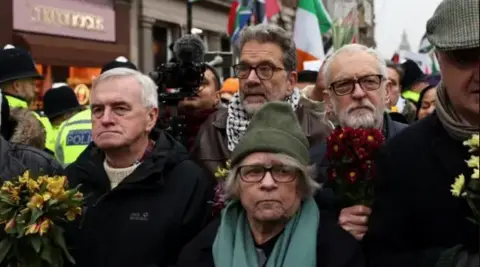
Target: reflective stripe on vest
{"type": "Point", "coordinates": [47, 126]}
{"type": "Point", "coordinates": [73, 137]}
{"type": "Point", "coordinates": [414, 96]}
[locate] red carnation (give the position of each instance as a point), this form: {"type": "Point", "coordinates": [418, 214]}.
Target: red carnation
{"type": "Point", "coordinates": [350, 153]}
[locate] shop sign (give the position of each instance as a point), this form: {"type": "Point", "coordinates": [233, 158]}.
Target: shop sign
{"type": "Point", "coordinates": [91, 19]}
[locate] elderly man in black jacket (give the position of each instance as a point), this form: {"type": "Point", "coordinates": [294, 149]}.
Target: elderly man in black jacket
{"type": "Point", "coordinates": [146, 198]}
{"type": "Point", "coordinates": [416, 221]}
{"type": "Point", "coordinates": [17, 158]}
{"type": "Point", "coordinates": [357, 82]}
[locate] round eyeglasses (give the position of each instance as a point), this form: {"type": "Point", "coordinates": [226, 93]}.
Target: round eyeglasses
{"type": "Point", "coordinates": [256, 173]}
{"type": "Point", "coordinates": [263, 71]}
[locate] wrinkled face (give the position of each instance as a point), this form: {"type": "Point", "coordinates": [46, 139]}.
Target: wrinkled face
{"type": "Point", "coordinates": [26, 88]}
{"type": "Point", "coordinates": [460, 72]}
{"type": "Point", "coordinates": [395, 90]}
{"type": "Point", "coordinates": [428, 103]}
{"type": "Point", "coordinates": [119, 116]}
{"type": "Point", "coordinates": [254, 92]}
{"type": "Point", "coordinates": [268, 200]}
{"type": "Point", "coordinates": [208, 96]}
{"type": "Point", "coordinates": [361, 108]}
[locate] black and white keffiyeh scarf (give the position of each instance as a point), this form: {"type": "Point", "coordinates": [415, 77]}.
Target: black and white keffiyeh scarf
{"type": "Point", "coordinates": [237, 120]}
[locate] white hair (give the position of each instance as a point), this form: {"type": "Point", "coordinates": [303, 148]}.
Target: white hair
{"type": "Point", "coordinates": [350, 49]}
{"type": "Point", "coordinates": [149, 92]}
{"type": "Point", "coordinates": [363, 118]}
{"type": "Point", "coordinates": [306, 181]}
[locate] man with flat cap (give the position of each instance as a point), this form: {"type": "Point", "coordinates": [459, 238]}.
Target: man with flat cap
{"type": "Point", "coordinates": [76, 133]}
{"type": "Point", "coordinates": [416, 220]}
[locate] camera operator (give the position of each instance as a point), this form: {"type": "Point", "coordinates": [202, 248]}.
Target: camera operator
{"type": "Point", "coordinates": [197, 109]}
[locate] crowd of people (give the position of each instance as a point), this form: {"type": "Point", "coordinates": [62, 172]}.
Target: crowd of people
{"type": "Point", "coordinates": [153, 201]}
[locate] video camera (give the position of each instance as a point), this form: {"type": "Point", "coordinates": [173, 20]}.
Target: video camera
{"type": "Point", "coordinates": [177, 81]}
{"type": "Point", "coordinates": [181, 79]}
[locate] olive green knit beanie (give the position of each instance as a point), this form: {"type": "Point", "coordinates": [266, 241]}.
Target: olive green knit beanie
{"type": "Point", "coordinates": [274, 128]}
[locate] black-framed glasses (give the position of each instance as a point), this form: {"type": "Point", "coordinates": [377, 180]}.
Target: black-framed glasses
{"type": "Point", "coordinates": [263, 71]}
{"type": "Point", "coordinates": [256, 173]}
{"type": "Point", "coordinates": [367, 83]}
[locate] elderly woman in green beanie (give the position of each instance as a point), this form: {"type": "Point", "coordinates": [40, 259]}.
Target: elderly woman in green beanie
{"type": "Point", "coordinates": [271, 218]}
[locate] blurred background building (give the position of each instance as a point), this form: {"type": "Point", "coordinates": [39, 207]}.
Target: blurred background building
{"type": "Point", "coordinates": [156, 24]}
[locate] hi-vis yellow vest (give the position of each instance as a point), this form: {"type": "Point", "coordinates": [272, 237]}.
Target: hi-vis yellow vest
{"type": "Point", "coordinates": [413, 96]}
{"type": "Point", "coordinates": [14, 102]}
{"type": "Point", "coordinates": [73, 137]}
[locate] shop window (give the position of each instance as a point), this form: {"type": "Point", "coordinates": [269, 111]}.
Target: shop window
{"type": "Point", "coordinates": [160, 45]}
{"type": "Point", "coordinates": [226, 47]}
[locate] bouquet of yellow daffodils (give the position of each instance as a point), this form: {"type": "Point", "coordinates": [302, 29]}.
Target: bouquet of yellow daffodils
{"type": "Point", "coordinates": [470, 190]}
{"type": "Point", "coordinates": [31, 210]}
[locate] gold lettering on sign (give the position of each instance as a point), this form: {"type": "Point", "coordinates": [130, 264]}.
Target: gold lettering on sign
{"type": "Point", "coordinates": [67, 18]}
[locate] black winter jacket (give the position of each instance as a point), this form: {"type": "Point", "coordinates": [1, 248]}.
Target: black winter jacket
{"type": "Point", "coordinates": [148, 217]}
{"type": "Point", "coordinates": [15, 159]}
{"type": "Point", "coordinates": [335, 247]}
{"type": "Point", "coordinates": [415, 218]}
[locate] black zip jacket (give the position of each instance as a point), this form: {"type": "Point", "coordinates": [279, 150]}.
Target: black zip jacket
{"type": "Point", "coordinates": [147, 218]}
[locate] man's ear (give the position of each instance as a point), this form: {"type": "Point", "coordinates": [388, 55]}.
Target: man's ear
{"type": "Point", "coordinates": [292, 79]}
{"type": "Point", "coordinates": [16, 86]}
{"type": "Point", "coordinates": [387, 92]}
{"type": "Point", "coordinates": [152, 115]}
{"type": "Point", "coordinates": [217, 97]}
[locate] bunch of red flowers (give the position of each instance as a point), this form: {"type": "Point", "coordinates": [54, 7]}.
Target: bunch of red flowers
{"type": "Point", "coordinates": [350, 153]}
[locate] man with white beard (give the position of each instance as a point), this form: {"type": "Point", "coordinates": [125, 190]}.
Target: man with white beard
{"type": "Point", "coordinates": [356, 79]}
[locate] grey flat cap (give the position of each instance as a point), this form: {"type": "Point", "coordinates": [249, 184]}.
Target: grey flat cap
{"type": "Point", "coordinates": [455, 25]}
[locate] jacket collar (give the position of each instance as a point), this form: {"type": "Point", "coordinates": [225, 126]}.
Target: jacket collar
{"type": "Point", "coordinates": [166, 154]}
{"type": "Point", "coordinates": [442, 142]}
{"type": "Point", "coordinates": [16, 97]}
{"type": "Point", "coordinates": [391, 127]}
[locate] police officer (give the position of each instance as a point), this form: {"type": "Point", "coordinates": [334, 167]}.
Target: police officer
{"type": "Point", "coordinates": [17, 80]}
{"type": "Point", "coordinates": [75, 133]}
{"type": "Point", "coordinates": [59, 104]}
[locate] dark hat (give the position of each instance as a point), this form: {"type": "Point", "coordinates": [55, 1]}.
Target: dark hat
{"type": "Point", "coordinates": [58, 101]}
{"type": "Point", "coordinates": [274, 128]}
{"type": "Point", "coordinates": [16, 63]}
{"type": "Point", "coordinates": [411, 74]}
{"type": "Point", "coordinates": [119, 62]}
{"type": "Point", "coordinates": [455, 25]}
{"type": "Point", "coordinates": [307, 76]}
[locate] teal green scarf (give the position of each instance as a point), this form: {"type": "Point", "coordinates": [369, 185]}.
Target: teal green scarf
{"type": "Point", "coordinates": [296, 246]}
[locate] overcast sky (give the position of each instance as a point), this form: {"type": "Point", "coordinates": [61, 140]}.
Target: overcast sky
{"type": "Point", "coordinates": [394, 16]}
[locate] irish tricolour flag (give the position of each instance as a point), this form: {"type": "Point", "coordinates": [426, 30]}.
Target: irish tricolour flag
{"type": "Point", "coordinates": [311, 22]}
